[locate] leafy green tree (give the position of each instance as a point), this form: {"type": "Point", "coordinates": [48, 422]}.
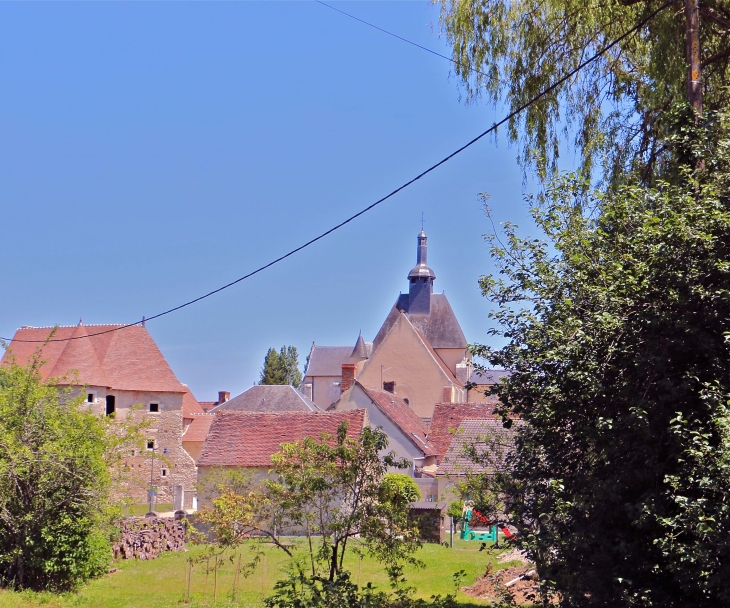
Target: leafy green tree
{"type": "Point", "coordinates": [613, 109]}
{"type": "Point", "coordinates": [399, 488]}
{"type": "Point", "coordinates": [618, 335]}
{"type": "Point", "coordinates": [281, 367]}
{"type": "Point", "coordinates": [54, 483]}
{"type": "Point", "coordinates": [334, 488]}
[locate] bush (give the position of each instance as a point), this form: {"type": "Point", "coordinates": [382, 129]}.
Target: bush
{"type": "Point", "coordinates": [54, 484]}
{"type": "Point", "coordinates": [299, 591]}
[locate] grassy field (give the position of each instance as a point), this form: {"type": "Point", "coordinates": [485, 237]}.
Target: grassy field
{"type": "Point", "coordinates": [161, 583]}
{"type": "Point", "coordinates": [139, 510]}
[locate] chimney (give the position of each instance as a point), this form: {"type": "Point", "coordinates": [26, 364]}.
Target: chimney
{"type": "Point", "coordinates": [348, 376]}
{"type": "Point", "coordinates": [447, 394]}
{"type": "Point", "coordinates": [223, 396]}
{"type": "Point", "coordinates": [389, 386]}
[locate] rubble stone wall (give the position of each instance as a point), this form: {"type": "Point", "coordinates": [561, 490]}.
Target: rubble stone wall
{"type": "Point", "coordinates": [171, 465]}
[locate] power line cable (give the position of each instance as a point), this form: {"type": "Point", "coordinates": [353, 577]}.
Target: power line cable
{"type": "Point", "coordinates": [494, 127]}
{"type": "Point", "coordinates": [380, 29]}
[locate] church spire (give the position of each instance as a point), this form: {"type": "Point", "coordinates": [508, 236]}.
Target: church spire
{"type": "Point", "coordinates": [421, 280]}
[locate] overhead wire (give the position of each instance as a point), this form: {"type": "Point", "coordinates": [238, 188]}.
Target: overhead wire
{"type": "Point", "coordinates": [380, 29]}
{"type": "Point", "coordinates": [430, 169]}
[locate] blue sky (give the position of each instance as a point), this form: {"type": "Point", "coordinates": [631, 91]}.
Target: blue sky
{"type": "Point", "coordinates": [154, 151]}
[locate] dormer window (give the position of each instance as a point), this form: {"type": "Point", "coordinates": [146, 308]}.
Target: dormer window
{"type": "Point", "coordinates": [154, 407]}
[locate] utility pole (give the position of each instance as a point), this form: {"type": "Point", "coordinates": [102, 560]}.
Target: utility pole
{"type": "Point", "coordinates": [694, 67]}
{"type": "Point", "coordinates": [152, 490]}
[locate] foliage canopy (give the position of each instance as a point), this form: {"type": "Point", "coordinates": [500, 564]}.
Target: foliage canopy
{"type": "Point", "coordinates": [510, 51]}
{"type": "Point", "coordinates": [618, 332]}
{"type": "Point", "coordinates": [54, 483]}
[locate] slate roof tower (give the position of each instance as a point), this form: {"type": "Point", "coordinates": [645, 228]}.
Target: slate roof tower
{"type": "Point", "coordinates": [421, 280]}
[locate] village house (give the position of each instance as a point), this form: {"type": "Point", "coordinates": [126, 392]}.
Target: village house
{"type": "Point", "coordinates": [119, 367]}
{"type": "Point", "coordinates": [244, 441]}
{"type": "Point", "coordinates": [442, 434]}
{"type": "Point", "coordinates": [420, 353]}
{"type": "Point", "coordinates": [407, 433]}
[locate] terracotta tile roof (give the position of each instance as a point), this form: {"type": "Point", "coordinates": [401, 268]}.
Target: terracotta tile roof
{"type": "Point", "coordinates": [199, 427]}
{"type": "Point", "coordinates": [400, 413]}
{"type": "Point", "coordinates": [207, 405]}
{"type": "Point", "coordinates": [447, 417]}
{"type": "Point", "coordinates": [482, 434]}
{"type": "Point", "coordinates": [248, 439]}
{"type": "Point", "coordinates": [126, 359]}
{"type": "Point", "coordinates": [269, 398]}
{"type": "Point", "coordinates": [190, 405]}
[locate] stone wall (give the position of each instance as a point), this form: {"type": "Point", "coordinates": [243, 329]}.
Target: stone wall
{"type": "Point", "coordinates": [169, 463]}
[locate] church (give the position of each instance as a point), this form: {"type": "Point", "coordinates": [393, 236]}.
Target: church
{"type": "Point", "coordinates": [420, 353]}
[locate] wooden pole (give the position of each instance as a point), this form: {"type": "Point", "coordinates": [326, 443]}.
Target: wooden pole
{"type": "Point", "coordinates": [215, 579]}
{"type": "Point", "coordinates": [185, 581]}
{"type": "Point", "coordinates": [235, 578]}
{"type": "Point", "coordinates": [207, 570]}
{"type": "Point", "coordinates": [263, 581]}
{"type": "Point", "coordinates": [190, 576]}
{"type": "Point", "coordinates": [694, 66]}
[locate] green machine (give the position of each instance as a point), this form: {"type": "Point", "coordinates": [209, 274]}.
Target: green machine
{"type": "Point", "coordinates": [477, 527]}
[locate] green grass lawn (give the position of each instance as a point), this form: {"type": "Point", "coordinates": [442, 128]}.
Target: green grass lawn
{"type": "Point", "coordinates": [161, 582]}
{"type": "Point", "coordinates": [138, 510]}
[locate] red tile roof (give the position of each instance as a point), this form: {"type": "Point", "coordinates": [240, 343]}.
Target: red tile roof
{"type": "Point", "coordinates": [190, 405]}
{"type": "Point", "coordinates": [125, 359]}
{"type": "Point", "coordinates": [248, 439]}
{"type": "Point", "coordinates": [199, 428]}
{"type": "Point", "coordinates": [490, 440]}
{"type": "Point", "coordinates": [447, 417]}
{"type": "Point", "coordinates": [400, 413]}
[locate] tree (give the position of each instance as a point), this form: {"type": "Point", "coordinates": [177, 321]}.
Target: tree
{"type": "Point", "coordinates": [334, 489]}
{"type": "Point", "coordinates": [399, 488]}
{"type": "Point", "coordinates": [617, 334]}
{"type": "Point", "coordinates": [54, 483]}
{"type": "Point", "coordinates": [614, 108]}
{"type": "Point", "coordinates": [337, 489]}
{"type": "Point", "coordinates": [281, 367]}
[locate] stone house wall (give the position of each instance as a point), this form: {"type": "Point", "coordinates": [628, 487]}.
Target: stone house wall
{"type": "Point", "coordinates": [172, 465]}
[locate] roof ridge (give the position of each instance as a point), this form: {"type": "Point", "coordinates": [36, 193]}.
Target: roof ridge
{"type": "Point", "coordinates": [22, 327]}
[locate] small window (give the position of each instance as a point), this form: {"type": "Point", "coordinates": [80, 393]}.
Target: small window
{"type": "Point", "coordinates": [154, 407]}
{"type": "Point", "coordinates": [405, 400]}
{"type": "Point", "coordinates": [164, 472]}
{"type": "Point", "coordinates": [90, 398]}
{"type": "Point", "coordinates": [150, 445]}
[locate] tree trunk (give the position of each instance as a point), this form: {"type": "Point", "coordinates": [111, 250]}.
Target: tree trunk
{"type": "Point", "coordinates": [333, 564]}
{"type": "Point", "coordinates": [694, 69]}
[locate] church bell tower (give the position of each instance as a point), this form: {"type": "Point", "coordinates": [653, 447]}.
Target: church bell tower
{"type": "Point", "coordinates": [420, 280]}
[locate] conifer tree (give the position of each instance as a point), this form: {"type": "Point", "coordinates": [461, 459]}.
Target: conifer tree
{"type": "Point", "coordinates": [281, 367]}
